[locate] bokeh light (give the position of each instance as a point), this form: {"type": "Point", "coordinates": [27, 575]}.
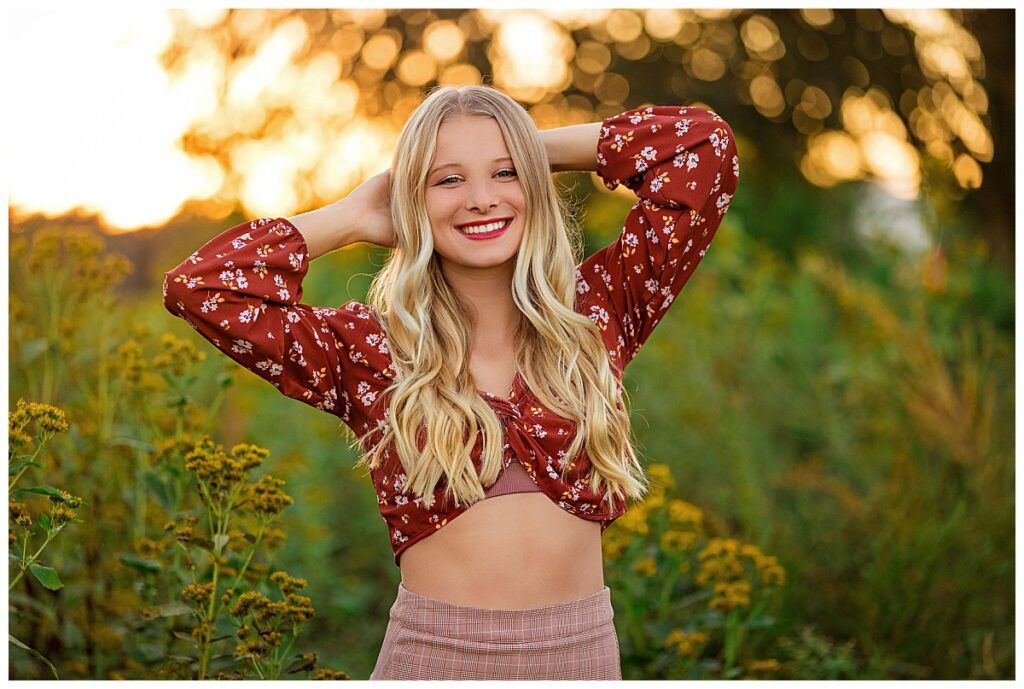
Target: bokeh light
{"type": "Point", "coordinates": [216, 94]}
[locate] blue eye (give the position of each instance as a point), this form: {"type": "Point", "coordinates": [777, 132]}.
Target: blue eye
{"type": "Point", "coordinates": [504, 169]}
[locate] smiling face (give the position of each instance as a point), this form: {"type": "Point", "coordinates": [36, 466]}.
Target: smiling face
{"type": "Point", "coordinates": [472, 184]}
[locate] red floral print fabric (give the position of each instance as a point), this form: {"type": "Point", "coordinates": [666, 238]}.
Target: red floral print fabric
{"type": "Point", "coordinates": [242, 291]}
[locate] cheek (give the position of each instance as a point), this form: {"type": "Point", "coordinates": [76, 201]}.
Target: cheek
{"type": "Point", "coordinates": [440, 210]}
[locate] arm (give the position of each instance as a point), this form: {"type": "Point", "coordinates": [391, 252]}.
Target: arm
{"type": "Point", "coordinates": [683, 166]}
{"type": "Point", "coordinates": [572, 148]}
{"type": "Point", "coordinates": [242, 290]}
{"type": "Point", "coordinates": [364, 215]}
{"type": "Point", "coordinates": [325, 229]}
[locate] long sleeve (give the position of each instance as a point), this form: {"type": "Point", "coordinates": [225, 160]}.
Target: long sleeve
{"type": "Point", "coordinates": [242, 290]}
{"type": "Point", "coordinates": [681, 162]}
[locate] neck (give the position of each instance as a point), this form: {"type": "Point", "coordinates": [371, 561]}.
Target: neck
{"type": "Point", "coordinates": [487, 292]}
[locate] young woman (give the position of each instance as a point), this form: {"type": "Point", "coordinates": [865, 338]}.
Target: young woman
{"type": "Point", "coordinates": [487, 364]}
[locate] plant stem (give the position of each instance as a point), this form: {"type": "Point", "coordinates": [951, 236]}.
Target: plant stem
{"type": "Point", "coordinates": [284, 655]}
{"type": "Point", "coordinates": [24, 468]}
{"type": "Point", "coordinates": [205, 645]}
{"type": "Point", "coordinates": [24, 565]}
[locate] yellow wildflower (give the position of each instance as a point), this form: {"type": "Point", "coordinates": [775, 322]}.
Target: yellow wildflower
{"type": "Point", "coordinates": [267, 497]}
{"type": "Point", "coordinates": [634, 520]}
{"type": "Point", "coordinates": [612, 545]}
{"type": "Point", "coordinates": [273, 537]}
{"type": "Point", "coordinates": [766, 665]}
{"type": "Point", "coordinates": [220, 472]}
{"type": "Point", "coordinates": [252, 647]}
{"type": "Point", "coordinates": [686, 643]}
{"type": "Point", "coordinates": [248, 603]}
{"type": "Point", "coordinates": [646, 566]}
{"type": "Point", "coordinates": [61, 515]}
{"type": "Point", "coordinates": [249, 456]}
{"type": "Point", "coordinates": [772, 574]}
{"type": "Point", "coordinates": [177, 355]}
{"type": "Point", "coordinates": [72, 501]}
{"type": "Point", "coordinates": [729, 595]}
{"type": "Point", "coordinates": [684, 514]}
{"type": "Point", "coordinates": [18, 439]}
{"type": "Point", "coordinates": [19, 513]}
{"type": "Point", "coordinates": [199, 593]}
{"type": "Point", "coordinates": [166, 448]}
{"type": "Point", "coordinates": [288, 584]}
{"type": "Point", "coordinates": [130, 361]}
{"type": "Point", "coordinates": [50, 418]}
{"type": "Point", "coordinates": [186, 532]}
{"type": "Point", "coordinates": [674, 541]}
{"type": "Point", "coordinates": [300, 608]}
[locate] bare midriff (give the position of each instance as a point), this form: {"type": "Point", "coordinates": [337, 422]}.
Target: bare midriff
{"type": "Point", "coordinates": [508, 552]}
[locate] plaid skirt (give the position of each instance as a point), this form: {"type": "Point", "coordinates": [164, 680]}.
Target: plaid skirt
{"type": "Point", "coordinates": [432, 639]}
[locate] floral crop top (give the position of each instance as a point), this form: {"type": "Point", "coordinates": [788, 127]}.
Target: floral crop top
{"type": "Point", "coordinates": [242, 292]}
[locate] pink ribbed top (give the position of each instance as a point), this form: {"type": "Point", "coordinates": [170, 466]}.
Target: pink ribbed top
{"type": "Point", "coordinates": [513, 479]}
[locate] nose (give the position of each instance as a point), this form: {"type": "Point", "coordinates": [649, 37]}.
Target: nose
{"type": "Point", "coordinates": [481, 197]}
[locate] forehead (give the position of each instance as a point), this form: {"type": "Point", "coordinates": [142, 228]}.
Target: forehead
{"type": "Point", "coordinates": [466, 138]}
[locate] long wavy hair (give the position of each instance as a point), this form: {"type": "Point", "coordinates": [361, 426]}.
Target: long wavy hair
{"type": "Point", "coordinates": [559, 352]}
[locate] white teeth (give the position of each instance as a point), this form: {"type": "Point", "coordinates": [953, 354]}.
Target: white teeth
{"type": "Point", "coordinates": [480, 229]}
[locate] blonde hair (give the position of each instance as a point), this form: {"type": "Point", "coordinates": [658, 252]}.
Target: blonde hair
{"type": "Point", "coordinates": [560, 353]}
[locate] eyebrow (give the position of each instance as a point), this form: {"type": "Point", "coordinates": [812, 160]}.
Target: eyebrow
{"type": "Point", "coordinates": [447, 165]}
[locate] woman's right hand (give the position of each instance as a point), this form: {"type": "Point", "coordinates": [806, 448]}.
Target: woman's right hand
{"type": "Point", "coordinates": [370, 205]}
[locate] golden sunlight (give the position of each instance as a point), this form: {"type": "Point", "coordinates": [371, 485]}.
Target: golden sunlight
{"type": "Point", "coordinates": [103, 128]}
{"type": "Point", "coordinates": [530, 55]}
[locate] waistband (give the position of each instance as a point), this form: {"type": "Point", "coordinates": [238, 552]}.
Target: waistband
{"type": "Point", "coordinates": [557, 621]}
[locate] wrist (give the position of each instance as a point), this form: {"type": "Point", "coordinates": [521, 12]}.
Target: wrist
{"type": "Point", "coordinates": [341, 214]}
{"type": "Point", "coordinates": [573, 147]}
{"type": "Point", "coordinates": [324, 229]}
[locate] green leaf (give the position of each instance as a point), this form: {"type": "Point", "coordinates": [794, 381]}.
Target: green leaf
{"type": "Point", "coordinates": [193, 641]}
{"type": "Point", "coordinates": [40, 490]}
{"type": "Point", "coordinates": [34, 652]}
{"type": "Point", "coordinates": [174, 607]}
{"type": "Point", "coordinates": [47, 576]}
{"type": "Point", "coordinates": [160, 489]}
{"type": "Point", "coordinates": [184, 660]}
{"type": "Point", "coordinates": [17, 465]}
{"type": "Point", "coordinates": [44, 520]}
{"type": "Point", "coordinates": [302, 664]}
{"type": "Point", "coordinates": [140, 563]}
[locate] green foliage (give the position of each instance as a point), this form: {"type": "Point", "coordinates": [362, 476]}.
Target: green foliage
{"type": "Point", "coordinates": [851, 417]}
{"type": "Point", "coordinates": [687, 606]}
{"type": "Point", "coordinates": [859, 429]}
{"type": "Point", "coordinates": [145, 568]}
{"type": "Point", "coordinates": [47, 421]}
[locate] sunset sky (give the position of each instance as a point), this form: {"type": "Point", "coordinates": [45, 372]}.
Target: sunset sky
{"type": "Point", "coordinates": [95, 122]}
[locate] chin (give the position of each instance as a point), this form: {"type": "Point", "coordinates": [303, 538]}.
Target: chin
{"type": "Point", "coordinates": [483, 262]}
{"type": "Point", "coordinates": [494, 254]}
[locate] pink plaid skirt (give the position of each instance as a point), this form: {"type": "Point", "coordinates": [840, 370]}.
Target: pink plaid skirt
{"type": "Point", "coordinates": [432, 639]}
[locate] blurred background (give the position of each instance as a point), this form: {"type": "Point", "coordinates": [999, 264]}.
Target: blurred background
{"type": "Point", "coordinates": [828, 410]}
